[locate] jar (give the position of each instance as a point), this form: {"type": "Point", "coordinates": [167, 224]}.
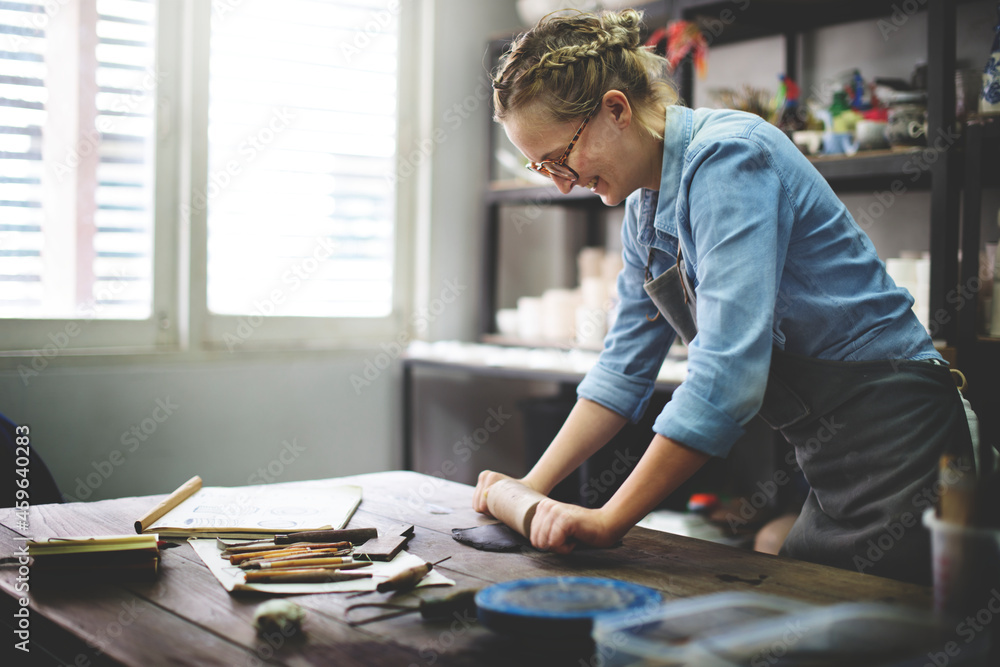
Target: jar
{"type": "Point", "coordinates": [907, 125]}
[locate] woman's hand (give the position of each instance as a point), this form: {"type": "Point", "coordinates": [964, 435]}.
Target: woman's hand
{"type": "Point", "coordinates": [487, 478]}
{"type": "Point", "coordinates": [558, 527]}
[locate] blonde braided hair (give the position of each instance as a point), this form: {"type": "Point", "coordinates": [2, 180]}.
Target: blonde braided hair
{"type": "Point", "coordinates": [566, 63]}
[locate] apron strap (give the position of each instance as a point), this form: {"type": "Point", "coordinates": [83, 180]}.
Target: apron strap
{"type": "Point", "coordinates": [649, 276]}
{"type": "Point", "coordinates": [682, 275]}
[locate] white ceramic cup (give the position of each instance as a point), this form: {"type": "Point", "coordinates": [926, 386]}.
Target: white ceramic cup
{"type": "Point", "coordinates": [594, 292]}
{"type": "Point", "coordinates": [529, 317]}
{"type": "Point", "coordinates": [507, 321]}
{"type": "Point", "coordinates": [808, 141]}
{"type": "Point", "coordinates": [591, 325]}
{"type": "Point", "coordinates": [870, 134]}
{"type": "Point", "coordinates": [559, 314]}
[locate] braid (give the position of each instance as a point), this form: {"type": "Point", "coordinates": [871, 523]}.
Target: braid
{"type": "Point", "coordinates": [569, 55]}
{"type": "Point", "coordinates": [567, 62]}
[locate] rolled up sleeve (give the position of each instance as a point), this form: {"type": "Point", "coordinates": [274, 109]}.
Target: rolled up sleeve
{"type": "Point", "coordinates": [625, 374]}
{"type": "Point", "coordinates": [739, 260]}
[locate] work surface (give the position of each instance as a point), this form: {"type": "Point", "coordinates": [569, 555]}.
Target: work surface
{"type": "Point", "coordinates": [187, 618]}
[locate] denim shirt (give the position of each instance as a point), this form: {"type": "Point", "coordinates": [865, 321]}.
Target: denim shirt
{"type": "Point", "coordinates": [776, 260]}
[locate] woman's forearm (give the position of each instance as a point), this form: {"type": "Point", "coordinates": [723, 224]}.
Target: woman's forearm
{"type": "Point", "coordinates": [589, 427]}
{"type": "Point", "coordinates": [664, 466]}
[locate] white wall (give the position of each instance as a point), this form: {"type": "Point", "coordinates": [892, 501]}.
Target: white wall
{"type": "Point", "coordinates": [459, 113]}
{"type": "Point", "coordinates": [221, 419]}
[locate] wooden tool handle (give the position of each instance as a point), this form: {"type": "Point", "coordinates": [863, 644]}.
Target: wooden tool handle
{"type": "Point", "coordinates": [514, 504]}
{"type": "Point", "coordinates": [405, 580]}
{"type": "Point", "coordinates": [303, 562]}
{"type": "Point", "coordinates": [306, 576]}
{"type": "Point", "coordinates": [355, 536]}
{"type": "Point", "coordinates": [239, 559]}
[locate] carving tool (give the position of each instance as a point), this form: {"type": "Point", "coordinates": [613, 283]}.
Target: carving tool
{"type": "Point", "coordinates": [406, 580]}
{"type": "Point", "coordinates": [462, 602]}
{"type": "Point", "coordinates": [342, 566]}
{"type": "Point", "coordinates": [344, 556]}
{"type": "Point", "coordinates": [353, 535]}
{"type": "Point", "coordinates": [240, 558]}
{"type": "Point", "coordinates": [303, 576]}
{"type": "Point", "coordinates": [301, 562]}
{"type": "Point", "coordinates": [270, 546]}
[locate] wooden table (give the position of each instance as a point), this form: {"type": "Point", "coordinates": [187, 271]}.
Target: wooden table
{"type": "Point", "coordinates": [187, 618]}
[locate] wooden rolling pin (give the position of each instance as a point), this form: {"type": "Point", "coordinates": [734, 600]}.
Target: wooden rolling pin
{"type": "Point", "coordinates": [514, 504]}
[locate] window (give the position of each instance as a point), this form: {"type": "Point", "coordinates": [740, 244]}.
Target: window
{"type": "Point", "coordinates": [77, 88]}
{"type": "Point", "coordinates": [170, 172]}
{"type": "Point", "coordinates": [302, 135]}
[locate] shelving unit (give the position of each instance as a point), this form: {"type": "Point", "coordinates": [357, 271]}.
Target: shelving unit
{"type": "Point", "coordinates": [863, 172]}
{"type": "Point", "coordinates": [763, 18]}
{"type": "Point", "coordinates": [978, 355]}
{"type": "Point", "coordinates": [867, 171]}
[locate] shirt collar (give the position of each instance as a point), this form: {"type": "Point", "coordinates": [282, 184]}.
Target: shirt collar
{"type": "Point", "coordinates": [676, 138]}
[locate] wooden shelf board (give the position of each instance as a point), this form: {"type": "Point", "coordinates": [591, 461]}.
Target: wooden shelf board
{"type": "Point", "coordinates": [870, 167]}
{"type": "Point", "coordinates": [514, 341]}
{"type": "Point", "coordinates": [514, 372]}
{"type": "Point", "coordinates": [727, 22]}
{"type": "Point", "coordinates": [863, 169]}
{"type": "Point", "coordinates": [523, 192]}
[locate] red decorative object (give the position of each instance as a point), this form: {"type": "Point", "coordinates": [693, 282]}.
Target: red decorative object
{"type": "Point", "coordinates": [682, 38]}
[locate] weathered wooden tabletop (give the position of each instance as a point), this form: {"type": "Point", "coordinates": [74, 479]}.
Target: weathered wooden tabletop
{"type": "Point", "coordinates": [186, 617]}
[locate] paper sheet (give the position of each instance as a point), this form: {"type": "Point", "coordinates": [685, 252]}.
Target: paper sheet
{"type": "Point", "coordinates": [232, 578]}
{"type": "Point", "coordinates": [267, 509]}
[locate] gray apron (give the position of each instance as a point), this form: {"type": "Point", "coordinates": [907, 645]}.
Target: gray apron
{"type": "Point", "coordinates": [868, 437]}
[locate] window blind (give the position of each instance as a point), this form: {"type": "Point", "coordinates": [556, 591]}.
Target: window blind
{"type": "Point", "coordinates": [302, 124]}
{"type": "Point", "coordinates": [77, 90]}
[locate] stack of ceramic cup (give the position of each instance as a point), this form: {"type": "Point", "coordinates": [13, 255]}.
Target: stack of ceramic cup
{"type": "Point", "coordinates": [581, 315]}
{"type": "Point", "coordinates": [591, 315]}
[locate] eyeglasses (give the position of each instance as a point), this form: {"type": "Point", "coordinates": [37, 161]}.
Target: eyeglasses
{"type": "Point", "coordinates": [559, 168]}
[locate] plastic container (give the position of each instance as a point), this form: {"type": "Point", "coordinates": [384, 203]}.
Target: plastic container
{"type": "Point", "coordinates": [966, 566]}
{"type": "Point", "coordinates": [558, 608]}
{"type": "Point", "coordinates": [726, 629]}
{"type": "Point", "coordinates": [681, 632]}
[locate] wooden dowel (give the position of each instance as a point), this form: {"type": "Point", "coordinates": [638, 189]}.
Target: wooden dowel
{"type": "Point", "coordinates": [514, 504]}
{"type": "Point", "coordinates": [188, 489]}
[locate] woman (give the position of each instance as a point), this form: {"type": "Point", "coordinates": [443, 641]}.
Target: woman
{"type": "Point", "coordinates": [736, 243]}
